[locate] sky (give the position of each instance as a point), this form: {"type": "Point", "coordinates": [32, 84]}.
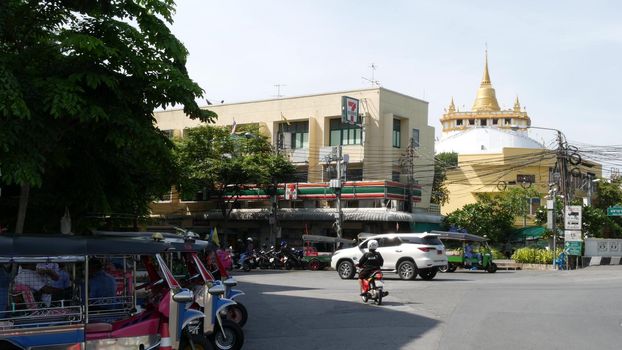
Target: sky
{"type": "Point", "coordinates": [563, 59]}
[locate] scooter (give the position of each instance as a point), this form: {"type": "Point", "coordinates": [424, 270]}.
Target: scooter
{"type": "Point", "coordinates": [373, 288]}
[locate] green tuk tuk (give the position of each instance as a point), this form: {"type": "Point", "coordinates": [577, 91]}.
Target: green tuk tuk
{"type": "Point", "coordinates": [318, 250]}
{"type": "Point", "coordinates": [466, 251]}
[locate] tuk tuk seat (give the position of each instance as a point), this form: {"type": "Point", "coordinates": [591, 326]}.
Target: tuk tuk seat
{"type": "Point", "coordinates": [98, 327]}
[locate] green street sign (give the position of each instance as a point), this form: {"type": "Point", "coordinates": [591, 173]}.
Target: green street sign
{"type": "Point", "coordinates": [614, 211]}
{"type": "Point", "coordinates": [573, 248]}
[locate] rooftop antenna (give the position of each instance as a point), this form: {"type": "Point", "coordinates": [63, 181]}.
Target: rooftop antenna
{"type": "Point", "coordinates": [278, 90]}
{"type": "Point", "coordinates": [372, 81]}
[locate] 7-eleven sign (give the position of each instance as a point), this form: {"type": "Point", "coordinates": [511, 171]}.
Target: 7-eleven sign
{"type": "Point", "coordinates": [349, 110]}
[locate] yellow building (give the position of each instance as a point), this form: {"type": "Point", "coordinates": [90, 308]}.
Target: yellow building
{"type": "Point", "coordinates": [496, 153]}
{"type": "Point", "coordinates": [386, 149]}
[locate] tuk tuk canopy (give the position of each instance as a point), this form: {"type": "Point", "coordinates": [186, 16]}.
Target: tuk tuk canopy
{"type": "Point", "coordinates": [62, 245]}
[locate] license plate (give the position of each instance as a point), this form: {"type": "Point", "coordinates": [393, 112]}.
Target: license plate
{"type": "Point", "coordinates": [379, 284]}
{"type": "Point", "coordinates": [439, 252]}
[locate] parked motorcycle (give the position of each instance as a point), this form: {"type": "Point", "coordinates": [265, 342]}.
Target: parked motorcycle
{"type": "Point", "coordinates": [373, 288]}
{"type": "Point", "coordinates": [292, 259]}
{"type": "Point", "coordinates": [249, 261]}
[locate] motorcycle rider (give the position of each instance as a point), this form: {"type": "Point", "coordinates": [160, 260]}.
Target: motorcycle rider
{"type": "Point", "coordinates": [369, 262]}
{"type": "Point", "coordinates": [247, 252]}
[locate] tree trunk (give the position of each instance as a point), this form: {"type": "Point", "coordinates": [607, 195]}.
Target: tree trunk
{"type": "Point", "coordinates": [23, 205]}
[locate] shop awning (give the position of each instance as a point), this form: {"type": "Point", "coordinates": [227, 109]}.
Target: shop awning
{"type": "Point", "coordinates": [315, 214]}
{"type": "Point", "coordinates": [529, 233]}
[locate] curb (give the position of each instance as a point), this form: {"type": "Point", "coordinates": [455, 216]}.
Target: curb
{"type": "Point", "coordinates": [601, 260]}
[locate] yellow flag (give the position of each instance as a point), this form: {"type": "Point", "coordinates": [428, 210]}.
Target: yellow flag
{"type": "Point", "coordinates": [214, 237]}
{"type": "Point", "coordinates": [285, 119]}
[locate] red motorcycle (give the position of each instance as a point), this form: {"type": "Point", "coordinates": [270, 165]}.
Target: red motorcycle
{"type": "Point", "coordinates": [373, 288]}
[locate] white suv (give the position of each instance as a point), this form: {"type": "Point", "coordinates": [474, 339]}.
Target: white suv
{"type": "Point", "coordinates": [407, 254]}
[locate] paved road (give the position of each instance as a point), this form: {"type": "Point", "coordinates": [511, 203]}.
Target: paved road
{"type": "Point", "coordinates": [579, 309]}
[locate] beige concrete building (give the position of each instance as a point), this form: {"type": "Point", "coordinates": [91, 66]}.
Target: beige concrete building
{"type": "Point", "coordinates": [309, 128]}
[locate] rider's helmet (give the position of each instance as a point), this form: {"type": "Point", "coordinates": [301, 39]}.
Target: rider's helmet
{"type": "Point", "coordinates": [373, 244]}
{"type": "Point", "coordinates": [249, 240]}
{"type": "Point", "coordinates": [283, 244]}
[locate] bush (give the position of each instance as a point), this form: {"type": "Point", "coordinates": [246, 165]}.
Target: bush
{"type": "Point", "coordinates": [530, 255]}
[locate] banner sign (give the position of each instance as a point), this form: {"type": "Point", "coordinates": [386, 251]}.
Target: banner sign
{"type": "Point", "coordinates": [349, 110]}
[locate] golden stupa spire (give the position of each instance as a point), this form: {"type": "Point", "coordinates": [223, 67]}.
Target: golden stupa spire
{"type": "Point", "coordinates": [516, 105]}
{"type": "Point", "coordinates": [452, 106]}
{"type": "Point", "coordinates": [486, 99]}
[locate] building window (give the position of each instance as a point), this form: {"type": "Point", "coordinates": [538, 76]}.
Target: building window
{"type": "Point", "coordinates": [459, 122]}
{"type": "Point", "coordinates": [169, 133]}
{"type": "Point", "coordinates": [165, 198]}
{"type": "Point", "coordinates": [193, 196]}
{"type": "Point", "coordinates": [294, 135]}
{"type": "Point", "coordinates": [395, 176]}
{"type": "Point", "coordinates": [344, 134]}
{"type": "Point", "coordinates": [495, 121]}
{"type": "Point", "coordinates": [534, 205]}
{"type": "Point", "coordinates": [415, 138]}
{"type": "Point", "coordinates": [508, 121]}
{"type": "Point", "coordinates": [482, 122]}
{"type": "Point", "coordinates": [471, 121]}
{"type": "Point", "coordinates": [354, 174]}
{"type": "Point", "coordinates": [397, 133]}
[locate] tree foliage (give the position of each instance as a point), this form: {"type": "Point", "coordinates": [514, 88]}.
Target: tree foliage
{"type": "Point", "coordinates": [442, 162]}
{"type": "Point", "coordinates": [595, 222]}
{"type": "Point", "coordinates": [211, 158]}
{"type": "Point", "coordinates": [79, 81]}
{"type": "Point", "coordinates": [493, 214]}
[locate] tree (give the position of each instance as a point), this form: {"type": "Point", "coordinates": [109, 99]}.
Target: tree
{"type": "Point", "coordinates": [211, 158]}
{"type": "Point", "coordinates": [79, 81]}
{"type": "Point", "coordinates": [493, 214]}
{"type": "Point", "coordinates": [442, 162]}
{"type": "Point", "coordinates": [483, 218]}
{"type": "Point", "coordinates": [595, 222]}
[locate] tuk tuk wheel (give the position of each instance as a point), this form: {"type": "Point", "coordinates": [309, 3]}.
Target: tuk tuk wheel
{"type": "Point", "coordinates": [237, 313]}
{"type": "Point", "coordinates": [492, 267]}
{"type": "Point", "coordinates": [314, 265]}
{"type": "Point", "coordinates": [196, 342]}
{"type": "Point", "coordinates": [346, 270]}
{"type": "Point", "coordinates": [231, 339]}
{"type": "Point", "coordinates": [444, 268]}
{"type": "Point", "coordinates": [452, 268]}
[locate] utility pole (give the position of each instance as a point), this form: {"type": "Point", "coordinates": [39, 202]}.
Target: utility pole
{"type": "Point", "coordinates": [336, 185]}
{"type": "Point", "coordinates": [408, 163]}
{"type": "Point", "coordinates": [564, 185]}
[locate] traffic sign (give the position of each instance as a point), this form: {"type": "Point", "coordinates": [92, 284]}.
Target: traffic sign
{"type": "Point", "coordinates": [572, 217]}
{"type": "Point", "coordinates": [573, 248]}
{"type": "Point", "coordinates": [572, 236]}
{"type": "Point", "coordinates": [614, 211]}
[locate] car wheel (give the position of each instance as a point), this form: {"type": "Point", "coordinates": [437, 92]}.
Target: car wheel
{"type": "Point", "coordinates": [407, 270]}
{"type": "Point", "coordinates": [428, 274]}
{"type": "Point", "coordinates": [346, 270]}
{"type": "Point", "coordinates": [492, 267]}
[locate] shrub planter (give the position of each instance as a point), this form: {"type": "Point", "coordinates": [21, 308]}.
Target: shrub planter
{"type": "Point", "coordinates": [539, 267]}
